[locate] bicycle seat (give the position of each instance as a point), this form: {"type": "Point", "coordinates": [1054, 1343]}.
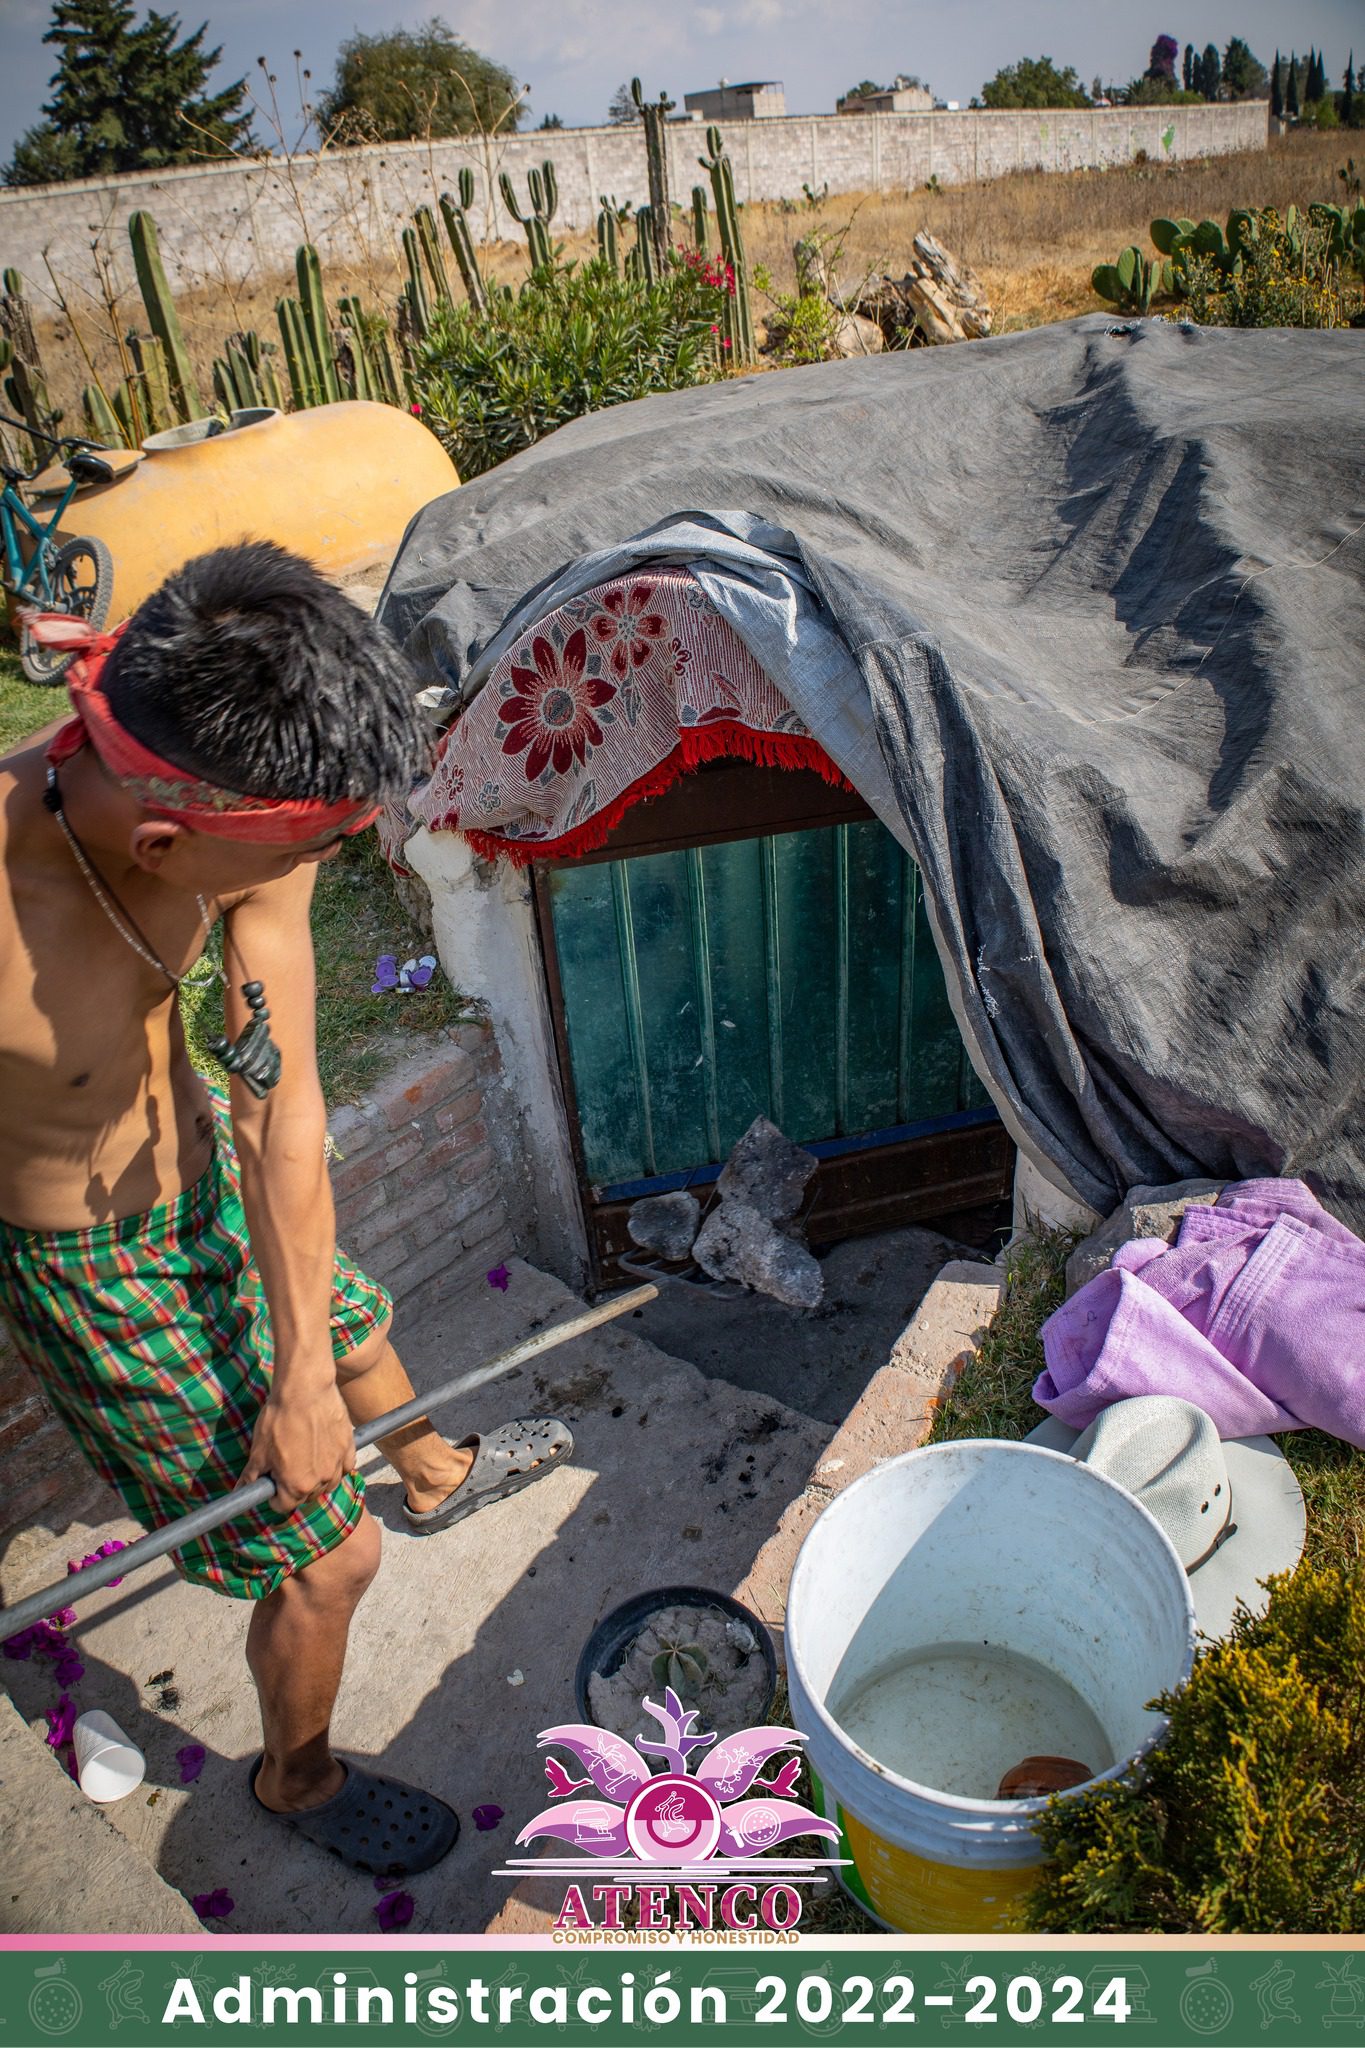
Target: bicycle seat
{"type": "Point", "coordinates": [89, 468]}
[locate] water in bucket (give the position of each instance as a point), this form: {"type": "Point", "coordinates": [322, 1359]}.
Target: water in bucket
{"type": "Point", "coordinates": [956, 1716]}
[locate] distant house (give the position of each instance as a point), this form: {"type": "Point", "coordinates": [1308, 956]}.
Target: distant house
{"type": "Point", "coordinates": [760, 100]}
{"type": "Point", "coordinates": [902, 96]}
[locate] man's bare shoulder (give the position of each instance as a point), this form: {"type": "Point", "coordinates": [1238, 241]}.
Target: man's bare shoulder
{"type": "Point", "coordinates": [284, 903]}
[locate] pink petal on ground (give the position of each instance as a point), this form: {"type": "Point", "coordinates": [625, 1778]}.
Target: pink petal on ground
{"type": "Point", "coordinates": [61, 1720]}
{"type": "Point", "coordinates": [395, 1911]}
{"type": "Point", "coordinates": [191, 1761]}
{"type": "Point", "coordinates": [19, 1647]}
{"type": "Point", "coordinates": [69, 1669]}
{"type": "Point", "coordinates": [499, 1277]}
{"type": "Point", "coordinates": [213, 1905]}
{"type": "Point", "coordinates": [486, 1818]}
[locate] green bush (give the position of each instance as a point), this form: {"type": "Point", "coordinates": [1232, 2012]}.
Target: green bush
{"type": "Point", "coordinates": [1250, 1818]}
{"type": "Point", "coordinates": [573, 341]}
{"type": "Point", "coordinates": [1289, 275]}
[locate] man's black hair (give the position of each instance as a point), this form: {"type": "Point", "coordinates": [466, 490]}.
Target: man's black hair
{"type": "Point", "coordinates": [248, 668]}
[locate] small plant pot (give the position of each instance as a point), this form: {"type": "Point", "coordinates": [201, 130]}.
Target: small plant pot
{"type": "Point", "coordinates": [607, 1647]}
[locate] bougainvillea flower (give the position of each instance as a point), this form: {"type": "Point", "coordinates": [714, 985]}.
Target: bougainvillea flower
{"type": "Point", "coordinates": [394, 1911]}
{"type": "Point", "coordinates": [69, 1668]}
{"type": "Point", "coordinates": [191, 1761]}
{"type": "Point", "coordinates": [61, 1722]}
{"type": "Point", "coordinates": [549, 714]}
{"type": "Point", "coordinates": [486, 1818]}
{"type": "Point", "coordinates": [109, 1549]}
{"type": "Point", "coordinates": [627, 628]}
{"type": "Point", "coordinates": [213, 1905]}
{"type": "Point", "coordinates": [499, 1277]}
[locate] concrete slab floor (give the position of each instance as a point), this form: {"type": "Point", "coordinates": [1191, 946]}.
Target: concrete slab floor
{"type": "Point", "coordinates": [817, 1360]}
{"type": "Point", "coordinates": [465, 1646]}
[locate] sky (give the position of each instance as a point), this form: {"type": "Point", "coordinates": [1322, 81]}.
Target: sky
{"type": "Point", "coordinates": [574, 53]}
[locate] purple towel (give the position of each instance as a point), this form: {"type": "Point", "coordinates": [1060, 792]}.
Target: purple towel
{"type": "Point", "coordinates": [1257, 1314]}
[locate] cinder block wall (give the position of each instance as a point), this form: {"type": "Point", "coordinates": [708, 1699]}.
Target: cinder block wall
{"type": "Point", "coordinates": [240, 217]}
{"type": "Point", "coordinates": [420, 1202]}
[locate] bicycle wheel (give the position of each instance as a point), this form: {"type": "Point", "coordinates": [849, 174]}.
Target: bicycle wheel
{"type": "Point", "coordinates": [81, 574]}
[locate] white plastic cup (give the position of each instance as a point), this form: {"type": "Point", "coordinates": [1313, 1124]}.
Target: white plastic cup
{"type": "Point", "coordinates": [108, 1766]}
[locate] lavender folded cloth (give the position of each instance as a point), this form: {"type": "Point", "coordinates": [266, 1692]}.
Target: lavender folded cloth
{"type": "Point", "coordinates": [1257, 1315]}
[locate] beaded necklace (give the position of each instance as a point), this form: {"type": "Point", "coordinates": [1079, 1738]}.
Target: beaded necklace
{"type": "Point", "coordinates": [253, 1055]}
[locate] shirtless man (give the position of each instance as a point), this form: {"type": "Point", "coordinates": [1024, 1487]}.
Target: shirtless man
{"type": "Point", "coordinates": [188, 1316]}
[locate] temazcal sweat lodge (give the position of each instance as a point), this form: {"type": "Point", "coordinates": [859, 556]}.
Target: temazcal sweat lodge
{"type": "Point", "coordinates": [955, 756]}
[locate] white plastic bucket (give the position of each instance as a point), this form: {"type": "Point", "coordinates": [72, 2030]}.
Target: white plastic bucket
{"type": "Point", "coordinates": [1073, 1601]}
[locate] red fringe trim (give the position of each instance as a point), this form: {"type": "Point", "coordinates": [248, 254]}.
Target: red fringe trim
{"type": "Point", "coordinates": [696, 746]}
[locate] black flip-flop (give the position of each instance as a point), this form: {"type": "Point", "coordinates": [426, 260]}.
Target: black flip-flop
{"type": "Point", "coordinates": [506, 1459]}
{"type": "Point", "coordinates": [374, 1823]}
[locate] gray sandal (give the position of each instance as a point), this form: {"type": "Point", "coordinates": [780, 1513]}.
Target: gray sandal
{"type": "Point", "coordinates": [506, 1460]}
{"type": "Point", "coordinates": [374, 1823]}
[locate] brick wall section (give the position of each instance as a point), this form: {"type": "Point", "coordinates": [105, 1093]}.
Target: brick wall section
{"type": "Point", "coordinates": [420, 1204]}
{"type": "Point", "coordinates": [244, 214]}
{"type": "Point", "coordinates": [419, 1188]}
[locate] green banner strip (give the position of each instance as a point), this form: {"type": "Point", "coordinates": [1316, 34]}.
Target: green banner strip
{"type": "Point", "coordinates": [1160, 1998]}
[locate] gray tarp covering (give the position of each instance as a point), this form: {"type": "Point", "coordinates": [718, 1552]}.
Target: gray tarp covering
{"type": "Point", "coordinates": [1102, 587]}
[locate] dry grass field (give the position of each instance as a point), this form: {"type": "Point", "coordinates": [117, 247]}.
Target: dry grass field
{"type": "Point", "coordinates": [1033, 237]}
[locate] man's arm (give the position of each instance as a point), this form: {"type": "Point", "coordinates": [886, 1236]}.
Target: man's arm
{"type": "Point", "coordinates": [304, 1436]}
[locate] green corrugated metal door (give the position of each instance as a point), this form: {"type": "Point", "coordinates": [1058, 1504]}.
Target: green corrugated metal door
{"type": "Point", "coordinates": [793, 976]}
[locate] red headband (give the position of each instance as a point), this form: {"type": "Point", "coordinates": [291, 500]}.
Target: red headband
{"type": "Point", "coordinates": [158, 785]}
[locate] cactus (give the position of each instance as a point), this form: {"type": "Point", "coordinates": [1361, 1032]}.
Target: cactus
{"type": "Point", "coordinates": [415, 290]}
{"type": "Point", "coordinates": [259, 353]}
{"type": "Point", "coordinates": [100, 417]}
{"type": "Point", "coordinates": [298, 355]}
{"type": "Point", "coordinates": [654, 114]}
{"type": "Point", "coordinates": [371, 340]}
{"type": "Point", "coordinates": [28, 392]}
{"type": "Point", "coordinates": [701, 222]}
{"type": "Point", "coordinates": [1345, 227]}
{"type": "Point", "coordinates": [317, 328]}
{"type": "Point", "coordinates": [462, 241]}
{"type": "Point", "coordinates": [235, 378]}
{"type": "Point", "coordinates": [646, 245]}
{"type": "Point", "coordinates": [26, 386]}
{"type": "Point", "coordinates": [608, 240]}
{"type": "Point", "coordinates": [1132, 282]}
{"type": "Point", "coordinates": [544, 190]}
{"type": "Point", "coordinates": [738, 315]}
{"type": "Point", "coordinates": [130, 410]}
{"type": "Point", "coordinates": [424, 220]}
{"type": "Point", "coordinates": [161, 314]}
{"type": "Point", "coordinates": [1166, 234]}
{"type": "Point", "coordinates": [683, 1666]}
{"type": "Point", "coordinates": [149, 360]}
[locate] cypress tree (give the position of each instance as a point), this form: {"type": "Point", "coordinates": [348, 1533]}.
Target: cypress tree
{"type": "Point", "coordinates": [128, 98]}
{"type": "Point", "coordinates": [1277, 90]}
{"type": "Point", "coordinates": [1187, 69]}
{"type": "Point", "coordinates": [1348, 98]}
{"type": "Point", "coordinates": [1291, 97]}
{"type": "Point", "coordinates": [1211, 73]}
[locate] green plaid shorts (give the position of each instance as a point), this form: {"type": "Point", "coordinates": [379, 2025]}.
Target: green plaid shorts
{"type": "Point", "coordinates": [151, 1338]}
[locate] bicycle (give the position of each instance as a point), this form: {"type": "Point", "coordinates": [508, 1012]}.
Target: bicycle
{"type": "Point", "coordinates": [77, 577]}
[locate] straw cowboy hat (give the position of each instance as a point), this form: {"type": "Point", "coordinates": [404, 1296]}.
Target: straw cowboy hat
{"type": "Point", "coordinates": [1233, 1510]}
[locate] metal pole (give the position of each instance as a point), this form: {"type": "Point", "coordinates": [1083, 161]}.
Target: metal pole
{"type": "Point", "coordinates": [38, 1606]}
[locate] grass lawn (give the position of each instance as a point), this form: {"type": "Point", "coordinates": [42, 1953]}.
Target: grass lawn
{"type": "Point", "coordinates": [356, 916]}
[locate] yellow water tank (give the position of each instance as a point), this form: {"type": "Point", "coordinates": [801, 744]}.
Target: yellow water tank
{"type": "Point", "coordinates": [337, 483]}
